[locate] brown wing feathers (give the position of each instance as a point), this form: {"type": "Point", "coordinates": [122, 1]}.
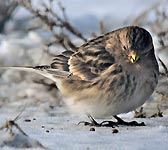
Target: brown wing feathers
{"type": "Point", "coordinates": [61, 61]}
{"type": "Point", "coordinates": [88, 62]}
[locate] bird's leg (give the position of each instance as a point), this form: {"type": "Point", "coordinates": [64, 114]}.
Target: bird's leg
{"type": "Point", "coordinates": [110, 123]}
{"type": "Point", "coordinates": [121, 122]}
{"type": "Point", "coordinates": [132, 123]}
{"type": "Point", "coordinates": [96, 124]}
{"type": "Point", "coordinates": [92, 122]}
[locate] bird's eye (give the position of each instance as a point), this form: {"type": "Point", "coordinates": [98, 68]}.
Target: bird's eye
{"type": "Point", "coordinates": [124, 47]}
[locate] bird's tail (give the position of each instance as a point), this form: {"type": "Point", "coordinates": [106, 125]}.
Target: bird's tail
{"type": "Point", "coordinates": [45, 71]}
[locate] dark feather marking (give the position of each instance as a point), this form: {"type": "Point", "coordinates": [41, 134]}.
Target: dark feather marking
{"type": "Point", "coordinates": [108, 83]}
{"type": "Point", "coordinates": [60, 66]}
{"type": "Point", "coordinates": [67, 53]}
{"type": "Point", "coordinates": [61, 61]}
{"type": "Point", "coordinates": [60, 57]}
{"type": "Point", "coordinates": [130, 85]}
{"type": "Point", "coordinates": [57, 60]}
{"type": "Point", "coordinates": [41, 67]}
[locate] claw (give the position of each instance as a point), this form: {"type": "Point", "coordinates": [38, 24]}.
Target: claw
{"type": "Point", "coordinates": [111, 124]}
{"type": "Point", "coordinates": [132, 123]}
{"type": "Point", "coordinates": [92, 123]}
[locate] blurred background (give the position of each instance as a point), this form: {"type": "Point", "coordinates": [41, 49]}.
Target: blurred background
{"type": "Point", "coordinates": [32, 32]}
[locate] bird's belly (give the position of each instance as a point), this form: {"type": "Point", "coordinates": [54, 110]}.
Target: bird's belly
{"type": "Point", "coordinates": [103, 104]}
{"type": "Point", "coordinates": [99, 106]}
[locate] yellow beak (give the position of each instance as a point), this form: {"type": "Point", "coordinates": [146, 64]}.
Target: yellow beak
{"type": "Point", "coordinates": [132, 56]}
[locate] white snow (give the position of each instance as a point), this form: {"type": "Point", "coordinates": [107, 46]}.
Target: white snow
{"type": "Point", "coordinates": [64, 133]}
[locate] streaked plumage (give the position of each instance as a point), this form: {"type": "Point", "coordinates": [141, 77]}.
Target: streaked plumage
{"type": "Point", "coordinates": [99, 78]}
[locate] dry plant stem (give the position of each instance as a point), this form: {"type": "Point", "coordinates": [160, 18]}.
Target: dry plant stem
{"type": "Point", "coordinates": [102, 27]}
{"type": "Point", "coordinates": [162, 94]}
{"type": "Point", "coordinates": [164, 67]}
{"type": "Point", "coordinates": [55, 22]}
{"type": "Point", "coordinates": [139, 19]}
{"type": "Point", "coordinates": [159, 25]}
{"type": "Point", "coordinates": [140, 113]}
{"type": "Point", "coordinates": [7, 9]}
{"type": "Point", "coordinates": [101, 30]}
{"type": "Point", "coordinates": [10, 123]}
{"type": "Point", "coordinates": [162, 47]}
{"type": "Point", "coordinates": [158, 114]}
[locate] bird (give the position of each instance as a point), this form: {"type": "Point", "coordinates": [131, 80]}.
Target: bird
{"type": "Point", "coordinates": [112, 74]}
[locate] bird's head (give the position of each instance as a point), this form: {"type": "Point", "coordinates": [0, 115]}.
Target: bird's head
{"type": "Point", "coordinates": [136, 43]}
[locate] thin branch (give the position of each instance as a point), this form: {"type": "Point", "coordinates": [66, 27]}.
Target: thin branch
{"type": "Point", "coordinates": [101, 27]}
{"type": "Point", "coordinates": [52, 20]}
{"type": "Point", "coordinates": [10, 123]}
{"type": "Point", "coordinates": [6, 11]}
{"type": "Point", "coordinates": [164, 67]}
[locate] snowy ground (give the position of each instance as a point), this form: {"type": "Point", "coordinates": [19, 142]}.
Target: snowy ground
{"type": "Point", "coordinates": [46, 120]}
{"type": "Point", "coordinates": [62, 132]}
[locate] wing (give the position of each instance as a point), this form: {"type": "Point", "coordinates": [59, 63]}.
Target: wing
{"type": "Point", "coordinates": [91, 60]}
{"type": "Point", "coordinates": [88, 62]}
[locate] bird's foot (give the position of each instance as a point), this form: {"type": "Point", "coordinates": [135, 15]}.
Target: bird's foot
{"type": "Point", "coordinates": [132, 123]}
{"type": "Point", "coordinates": [110, 123]}
{"type": "Point", "coordinates": [92, 122]}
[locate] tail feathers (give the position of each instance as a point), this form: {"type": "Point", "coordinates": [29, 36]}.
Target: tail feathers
{"type": "Point", "coordinates": [45, 71]}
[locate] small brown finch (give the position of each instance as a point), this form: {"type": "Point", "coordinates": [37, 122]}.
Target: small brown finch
{"type": "Point", "coordinates": [111, 74]}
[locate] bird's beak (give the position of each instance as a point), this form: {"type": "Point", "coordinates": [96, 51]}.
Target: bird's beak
{"type": "Point", "coordinates": [133, 57]}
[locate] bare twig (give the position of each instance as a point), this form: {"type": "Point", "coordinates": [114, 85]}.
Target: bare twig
{"type": "Point", "coordinates": [163, 95]}
{"type": "Point", "coordinates": [102, 28]}
{"type": "Point", "coordinates": [164, 67]}
{"type": "Point", "coordinates": [53, 21]}
{"type": "Point", "coordinates": [158, 114]}
{"type": "Point", "coordinates": [163, 47]}
{"type": "Point", "coordinates": [158, 25]}
{"type": "Point", "coordinates": [63, 11]}
{"type": "Point", "coordinates": [142, 16]}
{"type": "Point", "coordinates": [7, 8]}
{"type": "Point", "coordinates": [10, 123]}
{"type": "Point", "coordinates": [140, 113]}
